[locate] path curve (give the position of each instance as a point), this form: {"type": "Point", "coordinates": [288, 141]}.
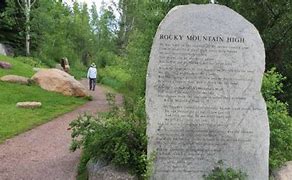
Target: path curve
{"type": "Point", "coordinates": [43, 152]}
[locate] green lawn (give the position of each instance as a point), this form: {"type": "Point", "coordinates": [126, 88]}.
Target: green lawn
{"type": "Point", "coordinates": [18, 67]}
{"type": "Point", "coordinates": [15, 120]}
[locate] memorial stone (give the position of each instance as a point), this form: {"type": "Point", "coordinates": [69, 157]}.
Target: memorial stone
{"type": "Point", "coordinates": [203, 98]}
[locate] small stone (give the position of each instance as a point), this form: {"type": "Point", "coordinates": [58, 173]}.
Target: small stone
{"type": "Point", "coordinates": [31, 105]}
{"type": "Point", "coordinates": [15, 79]}
{"type": "Point", "coordinates": [5, 65]}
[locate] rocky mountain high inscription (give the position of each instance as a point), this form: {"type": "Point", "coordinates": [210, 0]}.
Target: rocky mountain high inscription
{"type": "Point", "coordinates": [203, 99]}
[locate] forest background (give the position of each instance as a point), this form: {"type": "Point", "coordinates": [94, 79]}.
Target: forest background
{"type": "Point", "coordinates": [120, 46]}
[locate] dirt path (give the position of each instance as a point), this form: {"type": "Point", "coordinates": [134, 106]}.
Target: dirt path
{"type": "Point", "coordinates": [43, 152]}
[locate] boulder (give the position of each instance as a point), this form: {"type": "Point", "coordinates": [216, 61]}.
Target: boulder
{"type": "Point", "coordinates": [59, 81]}
{"type": "Point", "coordinates": [6, 50]}
{"type": "Point", "coordinates": [58, 66]}
{"type": "Point", "coordinates": [285, 172]}
{"type": "Point", "coordinates": [35, 69]}
{"type": "Point", "coordinates": [2, 50]}
{"type": "Point", "coordinates": [15, 79]}
{"type": "Point", "coordinates": [5, 65]}
{"type": "Point", "coordinates": [30, 105]}
{"type": "Point", "coordinates": [65, 64]}
{"type": "Point", "coordinates": [101, 171]}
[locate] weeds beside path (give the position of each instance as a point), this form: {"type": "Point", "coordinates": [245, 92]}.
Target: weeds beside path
{"type": "Point", "coordinates": [43, 152]}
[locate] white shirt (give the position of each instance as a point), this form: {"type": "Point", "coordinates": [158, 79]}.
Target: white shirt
{"type": "Point", "coordinates": [91, 73]}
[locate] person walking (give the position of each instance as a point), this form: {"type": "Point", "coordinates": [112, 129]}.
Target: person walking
{"type": "Point", "coordinates": [91, 75]}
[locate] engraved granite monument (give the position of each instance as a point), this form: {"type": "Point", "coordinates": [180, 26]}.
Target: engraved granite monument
{"type": "Point", "coordinates": [203, 98]}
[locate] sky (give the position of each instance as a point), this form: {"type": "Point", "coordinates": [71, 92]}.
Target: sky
{"type": "Point", "coordinates": [97, 3]}
{"type": "Point", "coordinates": [88, 2]}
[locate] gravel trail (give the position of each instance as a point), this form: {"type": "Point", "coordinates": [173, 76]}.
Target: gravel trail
{"type": "Point", "coordinates": [43, 152]}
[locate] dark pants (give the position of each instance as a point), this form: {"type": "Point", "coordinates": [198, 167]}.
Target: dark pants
{"type": "Point", "coordinates": [92, 82]}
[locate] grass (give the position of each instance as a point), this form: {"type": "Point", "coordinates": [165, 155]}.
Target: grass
{"type": "Point", "coordinates": [14, 120]}
{"type": "Point", "coordinates": [107, 89]}
{"type": "Point", "coordinates": [78, 73]}
{"type": "Point", "coordinates": [19, 67]}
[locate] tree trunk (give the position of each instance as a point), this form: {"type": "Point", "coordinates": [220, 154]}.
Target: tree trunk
{"type": "Point", "coordinates": [27, 30]}
{"type": "Point", "coordinates": [26, 7]}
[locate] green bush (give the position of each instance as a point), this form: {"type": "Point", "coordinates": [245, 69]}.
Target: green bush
{"type": "Point", "coordinates": [114, 76]}
{"type": "Point", "coordinates": [279, 119]}
{"type": "Point", "coordinates": [30, 61]}
{"type": "Point", "coordinates": [106, 58]}
{"type": "Point", "coordinates": [18, 67]}
{"type": "Point", "coordinates": [78, 72]}
{"type": "Point", "coordinates": [117, 137]}
{"type": "Point", "coordinates": [115, 84]}
{"type": "Point", "coordinates": [219, 173]}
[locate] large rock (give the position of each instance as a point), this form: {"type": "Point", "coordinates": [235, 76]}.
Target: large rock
{"type": "Point", "coordinates": [6, 50]}
{"type": "Point", "coordinates": [285, 172]}
{"type": "Point", "coordinates": [203, 98]}
{"type": "Point", "coordinates": [5, 65]}
{"type": "Point", "coordinates": [101, 171]}
{"type": "Point", "coordinates": [2, 50]}
{"type": "Point", "coordinates": [59, 81]}
{"type": "Point", "coordinates": [15, 79]}
{"type": "Point", "coordinates": [65, 64]}
{"type": "Point", "coordinates": [29, 105]}
{"type": "Point", "coordinates": [58, 66]}
{"type": "Point", "coordinates": [36, 69]}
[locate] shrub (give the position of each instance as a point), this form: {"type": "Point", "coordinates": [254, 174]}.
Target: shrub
{"type": "Point", "coordinates": [219, 173]}
{"type": "Point", "coordinates": [30, 61]}
{"type": "Point", "coordinates": [106, 58]}
{"type": "Point", "coordinates": [279, 119]}
{"type": "Point", "coordinates": [117, 137]}
{"type": "Point", "coordinates": [114, 76]}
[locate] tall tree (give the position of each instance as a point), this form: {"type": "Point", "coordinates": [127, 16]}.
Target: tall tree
{"type": "Point", "coordinates": [127, 20]}
{"type": "Point", "coordinates": [26, 7]}
{"type": "Point", "coordinates": [82, 34]}
{"type": "Point", "coordinates": [51, 25]}
{"type": "Point", "coordinates": [105, 30]}
{"type": "Point", "coordinates": [273, 19]}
